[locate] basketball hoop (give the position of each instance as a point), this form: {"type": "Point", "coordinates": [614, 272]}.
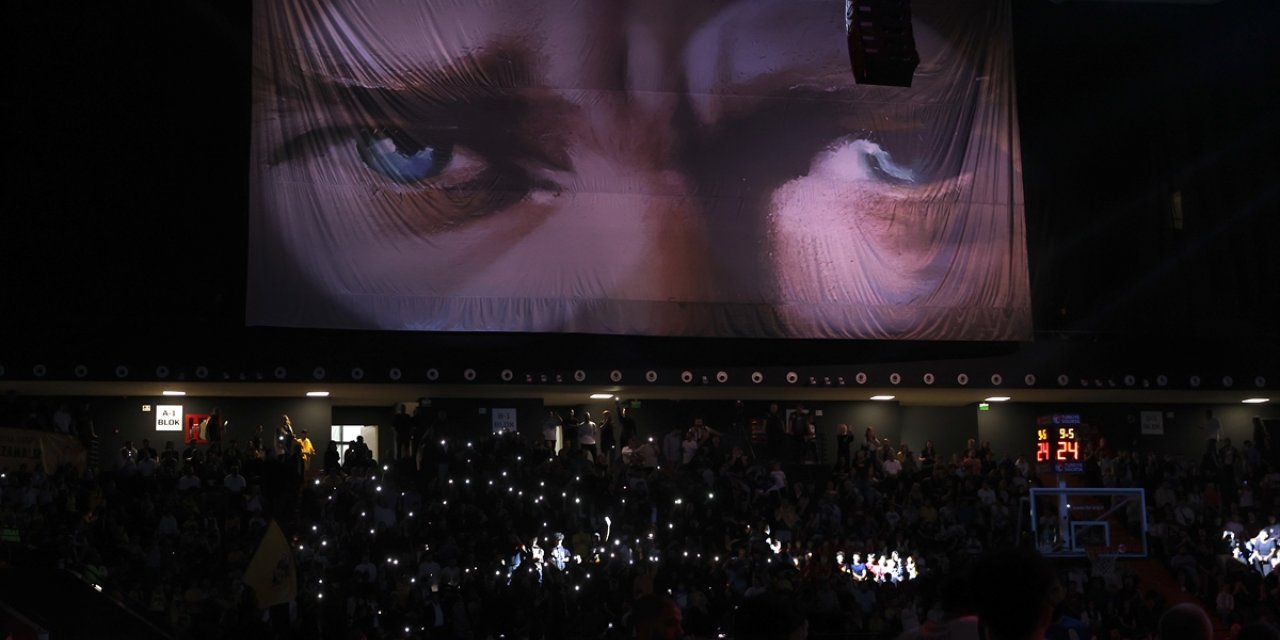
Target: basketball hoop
{"type": "Point", "coordinates": [1101, 563]}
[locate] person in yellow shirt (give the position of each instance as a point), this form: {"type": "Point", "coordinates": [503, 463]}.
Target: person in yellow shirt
{"type": "Point", "coordinates": [306, 449]}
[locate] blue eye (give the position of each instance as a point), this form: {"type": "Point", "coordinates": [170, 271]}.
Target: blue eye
{"type": "Point", "coordinates": [400, 158]}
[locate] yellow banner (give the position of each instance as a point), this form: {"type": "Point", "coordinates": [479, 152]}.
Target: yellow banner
{"type": "Point", "coordinates": [271, 573]}
{"type": "Point", "coordinates": [35, 449]}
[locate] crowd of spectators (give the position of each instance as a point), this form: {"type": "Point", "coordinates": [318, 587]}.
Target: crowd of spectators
{"type": "Point", "coordinates": [462, 536]}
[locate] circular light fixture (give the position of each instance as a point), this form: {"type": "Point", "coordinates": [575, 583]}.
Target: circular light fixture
{"type": "Point", "coordinates": [615, 375]}
{"type": "Point", "coordinates": [686, 376]}
{"type": "Point", "coordinates": [651, 376]}
{"type": "Point", "coordinates": [928, 378]}
{"type": "Point", "coordinates": [757, 377]}
{"type": "Point", "coordinates": [997, 379]}
{"type": "Point", "coordinates": [507, 375]}
{"type": "Point", "coordinates": [1063, 380]}
{"type": "Point", "coordinates": [81, 371]}
{"type": "Point", "coordinates": [792, 377]}
{"type": "Point", "coordinates": [162, 372]}
{"type": "Point", "coordinates": [579, 375]}
{"type": "Point", "coordinates": [395, 373]}
{"type": "Point", "coordinates": [962, 379]}
{"type": "Point", "coordinates": [39, 370]}
{"type": "Point", "coordinates": [1130, 380]}
{"type": "Point", "coordinates": [202, 372]}
{"type": "Point", "coordinates": [860, 378]}
{"type": "Point", "coordinates": [1162, 380]}
{"type": "Point", "coordinates": [122, 371]}
{"type": "Point", "coordinates": [280, 373]}
{"type": "Point", "coordinates": [1227, 381]}
{"type": "Point", "coordinates": [1258, 381]}
{"type": "Point", "coordinates": [469, 375]}
{"type": "Point", "coordinates": [319, 373]}
{"type": "Point", "coordinates": [722, 377]}
{"type": "Point", "coordinates": [895, 378]}
{"type": "Point", "coordinates": [357, 374]}
{"type": "Point", "coordinates": [1195, 381]}
{"type": "Point", "coordinates": [1029, 379]}
{"type": "Point", "coordinates": [433, 374]}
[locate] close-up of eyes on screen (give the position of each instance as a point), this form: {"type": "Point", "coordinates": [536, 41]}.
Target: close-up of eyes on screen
{"type": "Point", "coordinates": [648, 168]}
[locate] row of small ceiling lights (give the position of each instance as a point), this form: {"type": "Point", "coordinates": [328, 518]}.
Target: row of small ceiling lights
{"type": "Point", "coordinates": [395, 374]}
{"type": "Point", "coordinates": [610, 396]}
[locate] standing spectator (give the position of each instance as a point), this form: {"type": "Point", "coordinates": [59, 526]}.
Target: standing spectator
{"type": "Point", "coordinates": [774, 430]}
{"type": "Point", "coordinates": [688, 448]}
{"type": "Point", "coordinates": [147, 451]}
{"type": "Point", "coordinates": [254, 448]}
{"type": "Point", "coordinates": [62, 419]}
{"type": "Point", "coordinates": [673, 447]}
{"type": "Point", "coordinates": [589, 435]}
{"type": "Point", "coordinates": [1212, 432]}
{"type": "Point", "coordinates": [811, 441]}
{"type": "Point", "coordinates": [332, 459]}
{"type": "Point", "coordinates": [551, 431]}
{"type": "Point", "coordinates": [569, 440]}
{"type": "Point", "coordinates": [285, 436]}
{"type": "Point", "coordinates": [359, 455]}
{"type": "Point", "coordinates": [216, 426]}
{"type": "Point", "coordinates": [797, 428]}
{"type": "Point", "coordinates": [626, 423]}
{"type": "Point", "coordinates": [607, 441]}
{"type": "Point", "coordinates": [402, 426]}
{"type": "Point", "coordinates": [844, 447]}
{"type": "Point", "coordinates": [128, 454]}
{"type": "Point", "coordinates": [170, 452]}
{"type": "Point", "coordinates": [306, 450]}
{"type": "Point", "coordinates": [891, 467]}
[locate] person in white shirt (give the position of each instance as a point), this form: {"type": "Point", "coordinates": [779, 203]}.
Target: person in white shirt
{"type": "Point", "coordinates": [892, 467]}
{"type": "Point", "coordinates": [987, 495]}
{"type": "Point", "coordinates": [589, 435]}
{"type": "Point", "coordinates": [688, 447]}
{"type": "Point", "coordinates": [234, 482]}
{"type": "Point", "coordinates": [188, 480]}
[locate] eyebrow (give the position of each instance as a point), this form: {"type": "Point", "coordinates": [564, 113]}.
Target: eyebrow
{"type": "Point", "coordinates": [493, 108]}
{"type": "Point", "coordinates": [502, 67]}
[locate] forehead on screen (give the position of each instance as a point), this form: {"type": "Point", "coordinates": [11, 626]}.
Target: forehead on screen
{"type": "Point", "coordinates": [569, 43]}
{"type": "Point", "coordinates": [387, 42]}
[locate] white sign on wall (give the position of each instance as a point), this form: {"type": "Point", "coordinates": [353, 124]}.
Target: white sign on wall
{"type": "Point", "coordinates": [1152, 423]}
{"type": "Point", "coordinates": [504, 421]}
{"type": "Point", "coordinates": [168, 417]}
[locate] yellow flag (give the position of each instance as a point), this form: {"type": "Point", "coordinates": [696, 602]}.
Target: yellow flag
{"type": "Point", "coordinates": [271, 573]}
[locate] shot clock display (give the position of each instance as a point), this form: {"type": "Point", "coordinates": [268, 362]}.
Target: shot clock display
{"type": "Point", "coordinates": [1057, 443]}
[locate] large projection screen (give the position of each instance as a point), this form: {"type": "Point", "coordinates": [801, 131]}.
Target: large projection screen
{"type": "Point", "coordinates": [648, 167]}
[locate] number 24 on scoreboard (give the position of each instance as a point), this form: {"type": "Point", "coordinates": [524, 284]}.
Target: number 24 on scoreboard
{"type": "Point", "coordinates": [1068, 449]}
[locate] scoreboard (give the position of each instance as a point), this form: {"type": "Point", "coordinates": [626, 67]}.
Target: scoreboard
{"type": "Point", "coordinates": [1057, 442]}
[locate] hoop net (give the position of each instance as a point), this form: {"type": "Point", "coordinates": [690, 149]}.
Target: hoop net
{"type": "Point", "coordinates": [1101, 563]}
